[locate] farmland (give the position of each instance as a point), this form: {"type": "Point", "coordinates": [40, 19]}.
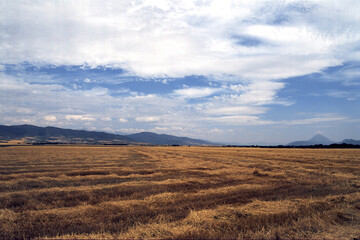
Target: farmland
{"type": "Point", "coordinates": [123, 192]}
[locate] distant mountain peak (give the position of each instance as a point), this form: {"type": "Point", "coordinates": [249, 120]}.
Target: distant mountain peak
{"type": "Point", "coordinates": [320, 138]}
{"type": "Point", "coordinates": [317, 139]}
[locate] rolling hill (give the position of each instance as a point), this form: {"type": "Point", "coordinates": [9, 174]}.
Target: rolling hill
{"type": "Point", "coordinates": [163, 139]}
{"type": "Point", "coordinates": [21, 131]}
{"type": "Point", "coordinates": [45, 134]}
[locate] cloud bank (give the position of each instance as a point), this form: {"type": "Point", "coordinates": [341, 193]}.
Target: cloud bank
{"type": "Point", "coordinates": [249, 39]}
{"type": "Point", "coordinates": [246, 51]}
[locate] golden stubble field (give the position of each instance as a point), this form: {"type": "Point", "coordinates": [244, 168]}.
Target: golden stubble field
{"type": "Point", "coordinates": [128, 192]}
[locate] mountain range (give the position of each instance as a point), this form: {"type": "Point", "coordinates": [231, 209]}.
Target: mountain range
{"type": "Point", "coordinates": [35, 134]}
{"type": "Point", "coordinates": [320, 139]}
{"type": "Point", "coordinates": [61, 135]}
{"type": "Point", "coordinates": [317, 139]}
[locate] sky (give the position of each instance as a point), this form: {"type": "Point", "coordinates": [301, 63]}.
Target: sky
{"type": "Point", "coordinates": [240, 72]}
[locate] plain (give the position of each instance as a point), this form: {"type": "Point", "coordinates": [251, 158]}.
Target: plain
{"type": "Point", "coordinates": [127, 192]}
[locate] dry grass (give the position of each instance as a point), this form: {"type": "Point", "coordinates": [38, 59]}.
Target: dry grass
{"type": "Point", "coordinates": [68, 192]}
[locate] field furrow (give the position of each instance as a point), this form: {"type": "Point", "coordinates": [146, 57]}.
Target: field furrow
{"type": "Point", "coordinates": [178, 192]}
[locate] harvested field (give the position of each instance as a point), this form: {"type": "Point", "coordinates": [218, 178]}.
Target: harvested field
{"type": "Point", "coordinates": [126, 192]}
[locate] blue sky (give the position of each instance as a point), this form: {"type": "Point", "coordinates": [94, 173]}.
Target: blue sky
{"type": "Point", "coordinates": [266, 72]}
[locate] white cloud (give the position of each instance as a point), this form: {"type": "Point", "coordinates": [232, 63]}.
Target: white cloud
{"type": "Point", "coordinates": [164, 129]}
{"type": "Point", "coordinates": [50, 118]}
{"type": "Point", "coordinates": [169, 113]}
{"type": "Point", "coordinates": [172, 39]}
{"type": "Point", "coordinates": [235, 110]}
{"type": "Point", "coordinates": [178, 38]}
{"type": "Point", "coordinates": [131, 130]}
{"type": "Point", "coordinates": [349, 75]}
{"type": "Point", "coordinates": [122, 120]}
{"type": "Point", "coordinates": [196, 92]}
{"type": "Point", "coordinates": [240, 120]}
{"type": "Point", "coordinates": [314, 120]}
{"type": "Point", "coordinates": [79, 118]}
{"type": "Point", "coordinates": [260, 92]}
{"type": "Point", "coordinates": [107, 129]}
{"type": "Point", "coordinates": [107, 119]}
{"type": "Point", "coordinates": [147, 119]}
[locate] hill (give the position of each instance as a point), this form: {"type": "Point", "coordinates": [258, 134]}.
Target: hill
{"type": "Point", "coordinates": [164, 139]}
{"type": "Point", "coordinates": [61, 135]}
{"type": "Point", "coordinates": [46, 133]}
{"type": "Point", "coordinates": [351, 141]}
{"type": "Point", "coordinates": [321, 140]}
{"type": "Point", "coordinates": [316, 140]}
